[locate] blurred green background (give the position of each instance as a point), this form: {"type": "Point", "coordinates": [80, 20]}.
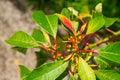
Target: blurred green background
{"type": "Point", "coordinates": [111, 8]}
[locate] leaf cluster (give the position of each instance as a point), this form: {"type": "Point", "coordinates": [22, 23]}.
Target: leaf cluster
{"type": "Point", "coordinates": [73, 54]}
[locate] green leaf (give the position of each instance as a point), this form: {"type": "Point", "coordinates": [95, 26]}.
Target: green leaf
{"type": "Point", "coordinates": [20, 49]}
{"type": "Point", "coordinates": [101, 62]}
{"type": "Point", "coordinates": [63, 75]}
{"type": "Point", "coordinates": [42, 57]}
{"type": "Point", "coordinates": [24, 71]}
{"type": "Point", "coordinates": [105, 63]}
{"type": "Point", "coordinates": [47, 37]}
{"type": "Point", "coordinates": [95, 24]}
{"type": "Point", "coordinates": [74, 77]}
{"type": "Point", "coordinates": [22, 39]}
{"type": "Point", "coordinates": [71, 77]}
{"type": "Point", "coordinates": [48, 71]}
{"type": "Point", "coordinates": [107, 75]}
{"type": "Point", "coordinates": [53, 19]}
{"type": "Point", "coordinates": [65, 12]}
{"type": "Point", "coordinates": [85, 71]}
{"type": "Point", "coordinates": [61, 45]}
{"type": "Point", "coordinates": [109, 21]}
{"type": "Point", "coordinates": [38, 36]}
{"type": "Point", "coordinates": [47, 23]}
{"type": "Point", "coordinates": [75, 25]}
{"type": "Point", "coordinates": [111, 52]}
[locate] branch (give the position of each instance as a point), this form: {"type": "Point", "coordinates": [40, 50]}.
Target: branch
{"type": "Point", "coordinates": [114, 37]}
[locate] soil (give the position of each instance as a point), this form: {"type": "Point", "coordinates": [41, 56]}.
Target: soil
{"type": "Point", "coordinates": [12, 19]}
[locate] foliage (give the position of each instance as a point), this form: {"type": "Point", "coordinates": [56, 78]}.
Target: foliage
{"type": "Point", "coordinates": [79, 5]}
{"type": "Point", "coordinates": [72, 54]}
{"type": "Point", "coordinates": [110, 8]}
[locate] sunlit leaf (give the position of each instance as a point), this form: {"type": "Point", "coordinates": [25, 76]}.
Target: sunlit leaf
{"type": "Point", "coordinates": [46, 36]}
{"type": "Point", "coordinates": [109, 21]}
{"type": "Point", "coordinates": [95, 24]}
{"type": "Point", "coordinates": [85, 71]}
{"type": "Point", "coordinates": [98, 7]}
{"type": "Point", "coordinates": [53, 22]}
{"type": "Point", "coordinates": [48, 71]}
{"type": "Point", "coordinates": [74, 12]}
{"type": "Point", "coordinates": [111, 52]}
{"type": "Point", "coordinates": [74, 77]}
{"type": "Point", "coordinates": [107, 75]}
{"type": "Point", "coordinates": [63, 75]}
{"type": "Point", "coordinates": [81, 16]}
{"type": "Point", "coordinates": [24, 71]}
{"type": "Point", "coordinates": [102, 64]}
{"type": "Point", "coordinates": [75, 24]}
{"type": "Point", "coordinates": [47, 23]}
{"type": "Point", "coordinates": [38, 36]}
{"type": "Point", "coordinates": [66, 12]}
{"type": "Point", "coordinates": [22, 39]}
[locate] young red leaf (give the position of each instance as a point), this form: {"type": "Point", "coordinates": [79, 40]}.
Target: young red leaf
{"type": "Point", "coordinates": [66, 22]}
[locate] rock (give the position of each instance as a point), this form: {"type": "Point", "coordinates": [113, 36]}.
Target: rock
{"type": "Point", "coordinates": [12, 20]}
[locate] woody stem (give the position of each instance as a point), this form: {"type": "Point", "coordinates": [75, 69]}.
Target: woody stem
{"type": "Point", "coordinates": [114, 37]}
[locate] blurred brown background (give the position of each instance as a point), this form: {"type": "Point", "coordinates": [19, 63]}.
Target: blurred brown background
{"type": "Point", "coordinates": [13, 17]}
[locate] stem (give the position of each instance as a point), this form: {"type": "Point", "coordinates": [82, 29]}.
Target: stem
{"type": "Point", "coordinates": [88, 51]}
{"type": "Point", "coordinates": [82, 21]}
{"type": "Point", "coordinates": [97, 37]}
{"type": "Point", "coordinates": [109, 30]}
{"type": "Point", "coordinates": [88, 39]}
{"type": "Point", "coordinates": [114, 37]}
{"type": "Point", "coordinates": [45, 48]}
{"type": "Point", "coordinates": [55, 41]}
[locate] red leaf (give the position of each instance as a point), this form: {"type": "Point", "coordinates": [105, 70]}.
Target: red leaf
{"type": "Point", "coordinates": [66, 22]}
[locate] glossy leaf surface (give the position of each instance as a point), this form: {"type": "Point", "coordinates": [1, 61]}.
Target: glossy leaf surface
{"type": "Point", "coordinates": [38, 36]}
{"type": "Point", "coordinates": [102, 64]}
{"type": "Point", "coordinates": [75, 25]}
{"type": "Point", "coordinates": [109, 21]}
{"type": "Point", "coordinates": [24, 71]}
{"type": "Point", "coordinates": [22, 39]}
{"type": "Point", "coordinates": [111, 52]}
{"type": "Point", "coordinates": [95, 24]}
{"type": "Point", "coordinates": [107, 75]}
{"type": "Point", "coordinates": [48, 71]}
{"type": "Point", "coordinates": [85, 71]}
{"type": "Point", "coordinates": [47, 23]}
{"type": "Point", "coordinates": [66, 12]}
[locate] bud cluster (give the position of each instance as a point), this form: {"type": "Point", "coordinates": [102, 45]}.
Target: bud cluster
{"type": "Point", "coordinates": [73, 42]}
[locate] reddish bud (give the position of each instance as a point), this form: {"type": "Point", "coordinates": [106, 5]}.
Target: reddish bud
{"type": "Point", "coordinates": [68, 45]}
{"type": "Point", "coordinates": [71, 39]}
{"type": "Point", "coordinates": [56, 47]}
{"type": "Point", "coordinates": [83, 28]}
